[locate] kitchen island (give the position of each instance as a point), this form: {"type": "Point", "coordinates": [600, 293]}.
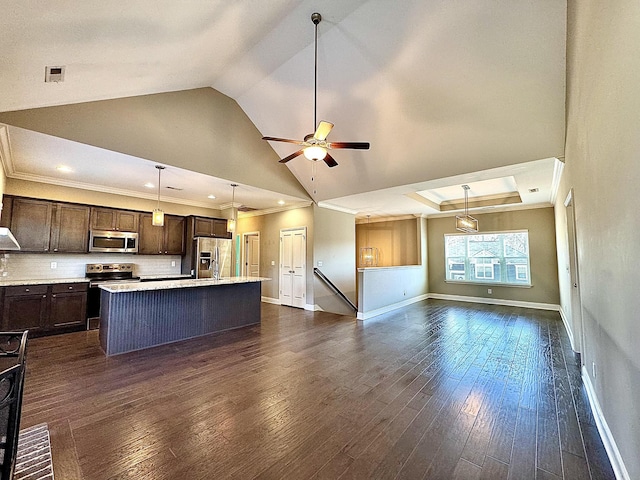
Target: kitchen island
{"type": "Point", "coordinates": [142, 315]}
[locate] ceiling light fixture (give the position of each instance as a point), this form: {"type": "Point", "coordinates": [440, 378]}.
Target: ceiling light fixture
{"type": "Point", "coordinates": [231, 223]}
{"type": "Point", "coordinates": [212, 197]}
{"type": "Point", "coordinates": [64, 168]}
{"type": "Point", "coordinates": [157, 219]}
{"type": "Point", "coordinates": [149, 185]}
{"type": "Point", "coordinates": [466, 223]}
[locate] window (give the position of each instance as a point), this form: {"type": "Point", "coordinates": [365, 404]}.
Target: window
{"type": "Point", "coordinates": [496, 258]}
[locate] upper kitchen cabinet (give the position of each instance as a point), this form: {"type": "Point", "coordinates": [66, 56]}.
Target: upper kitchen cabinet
{"type": "Point", "coordinates": [166, 240]}
{"type": "Point", "coordinates": [112, 219]}
{"type": "Point", "coordinates": [31, 224]}
{"type": "Point", "coordinates": [69, 228]}
{"type": "Point", "coordinates": [43, 226]}
{"type": "Point", "coordinates": [208, 227]}
{"type": "Point", "coordinates": [5, 214]}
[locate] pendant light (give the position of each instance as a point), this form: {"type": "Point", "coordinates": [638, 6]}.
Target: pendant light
{"type": "Point", "coordinates": [231, 223]}
{"type": "Point", "coordinates": [466, 223]}
{"type": "Point", "coordinates": [157, 220]}
{"type": "Point", "coordinates": [368, 255]}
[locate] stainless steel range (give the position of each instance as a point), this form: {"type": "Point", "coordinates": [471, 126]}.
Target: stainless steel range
{"type": "Point", "coordinates": [100, 274]}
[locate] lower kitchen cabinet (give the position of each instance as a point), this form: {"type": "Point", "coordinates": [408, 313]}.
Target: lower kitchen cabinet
{"type": "Point", "coordinates": [44, 309]}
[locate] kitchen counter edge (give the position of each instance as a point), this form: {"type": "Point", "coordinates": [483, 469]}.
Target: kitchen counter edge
{"type": "Point", "coordinates": [172, 284]}
{"type": "Point", "coordinates": [41, 281]}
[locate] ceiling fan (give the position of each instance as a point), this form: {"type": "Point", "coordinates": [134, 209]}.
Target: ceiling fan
{"type": "Point", "coordinates": [315, 145]}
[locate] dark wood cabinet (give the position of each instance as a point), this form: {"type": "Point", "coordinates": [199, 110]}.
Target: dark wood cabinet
{"type": "Point", "coordinates": [45, 308]}
{"type": "Point", "coordinates": [210, 227]}
{"type": "Point", "coordinates": [69, 228]}
{"type": "Point", "coordinates": [68, 305]}
{"type": "Point", "coordinates": [31, 224]}
{"type": "Point", "coordinates": [5, 215]}
{"type": "Point", "coordinates": [25, 307]}
{"type": "Point", "coordinates": [43, 226]}
{"type": "Point", "coordinates": [166, 240]}
{"type": "Point", "coordinates": [113, 219]}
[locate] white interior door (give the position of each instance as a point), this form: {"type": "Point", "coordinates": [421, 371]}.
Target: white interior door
{"type": "Point", "coordinates": [576, 302]}
{"type": "Point", "coordinates": [293, 281]}
{"type": "Point", "coordinates": [252, 254]}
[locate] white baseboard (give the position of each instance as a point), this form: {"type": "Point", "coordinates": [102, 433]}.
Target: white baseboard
{"type": "Point", "coordinates": [275, 301]}
{"type": "Point", "coordinates": [313, 308]}
{"type": "Point", "coordinates": [496, 301]}
{"type": "Point", "coordinates": [567, 328]}
{"type": "Point", "coordinates": [607, 437]}
{"type": "Point", "coordinates": [388, 308]}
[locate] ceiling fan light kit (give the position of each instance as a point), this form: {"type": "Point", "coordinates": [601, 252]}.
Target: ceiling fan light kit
{"type": "Point", "coordinates": [315, 145]}
{"type": "Point", "coordinates": [466, 223]}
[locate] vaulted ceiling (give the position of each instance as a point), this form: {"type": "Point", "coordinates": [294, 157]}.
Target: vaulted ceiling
{"type": "Point", "coordinates": [446, 92]}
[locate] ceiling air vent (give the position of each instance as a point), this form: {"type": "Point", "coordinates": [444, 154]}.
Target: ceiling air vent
{"type": "Point", "coordinates": [244, 208]}
{"type": "Point", "coordinates": [175, 188]}
{"type": "Point", "coordinates": [533, 190]}
{"type": "Point", "coordinates": [54, 74]}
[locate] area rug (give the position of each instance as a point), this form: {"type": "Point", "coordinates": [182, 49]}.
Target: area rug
{"type": "Point", "coordinates": [33, 460]}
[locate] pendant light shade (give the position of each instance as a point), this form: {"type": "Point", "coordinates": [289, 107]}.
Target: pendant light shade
{"type": "Point", "coordinates": [466, 223]}
{"type": "Point", "coordinates": [368, 255]}
{"type": "Point", "coordinates": [231, 223]}
{"type": "Point", "coordinates": [157, 219]}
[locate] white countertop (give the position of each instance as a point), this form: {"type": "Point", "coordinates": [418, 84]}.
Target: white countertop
{"type": "Point", "coordinates": [176, 276]}
{"type": "Point", "coordinates": [170, 284]}
{"type": "Point", "coordinates": [7, 282]}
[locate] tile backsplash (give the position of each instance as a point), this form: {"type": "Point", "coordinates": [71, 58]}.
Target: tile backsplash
{"type": "Point", "coordinates": [26, 266]}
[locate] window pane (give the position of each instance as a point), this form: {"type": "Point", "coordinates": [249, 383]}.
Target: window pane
{"type": "Point", "coordinates": [490, 258]}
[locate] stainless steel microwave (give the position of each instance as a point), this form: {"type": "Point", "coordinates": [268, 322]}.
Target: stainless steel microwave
{"type": "Point", "coordinates": [113, 242]}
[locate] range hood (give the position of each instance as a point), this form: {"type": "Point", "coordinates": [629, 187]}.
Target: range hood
{"type": "Point", "coordinates": [7, 240]}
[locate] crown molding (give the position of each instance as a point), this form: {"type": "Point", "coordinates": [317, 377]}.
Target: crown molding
{"type": "Point", "coordinates": [558, 168]}
{"type": "Point", "coordinates": [268, 211]}
{"type": "Point", "coordinates": [336, 208]}
{"type": "Point", "coordinates": [103, 189]}
{"type": "Point", "coordinates": [6, 156]}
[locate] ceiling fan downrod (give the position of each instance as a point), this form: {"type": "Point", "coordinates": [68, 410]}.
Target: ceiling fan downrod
{"type": "Point", "coordinates": [316, 18]}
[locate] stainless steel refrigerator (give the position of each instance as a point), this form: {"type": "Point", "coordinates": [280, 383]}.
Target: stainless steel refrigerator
{"type": "Point", "coordinates": [213, 257]}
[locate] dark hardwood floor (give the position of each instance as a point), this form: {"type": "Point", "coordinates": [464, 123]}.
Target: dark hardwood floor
{"type": "Point", "coordinates": [434, 390]}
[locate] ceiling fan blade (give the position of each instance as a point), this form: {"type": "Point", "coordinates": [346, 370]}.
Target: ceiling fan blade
{"type": "Point", "coordinates": [323, 130]}
{"type": "Point", "coordinates": [330, 161]}
{"type": "Point", "coordinates": [354, 145]}
{"type": "Point", "coordinates": [276, 139]}
{"type": "Point", "coordinates": [291, 157]}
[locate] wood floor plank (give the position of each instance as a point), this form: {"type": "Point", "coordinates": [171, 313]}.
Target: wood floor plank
{"type": "Point", "coordinates": [437, 389]}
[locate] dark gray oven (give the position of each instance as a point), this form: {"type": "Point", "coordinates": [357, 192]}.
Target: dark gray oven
{"type": "Point", "coordinates": [100, 274]}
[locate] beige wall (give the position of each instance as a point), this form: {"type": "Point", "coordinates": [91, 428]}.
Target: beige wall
{"type": "Point", "coordinates": [333, 245]}
{"type": "Point", "coordinates": [396, 241]}
{"type": "Point", "coordinates": [603, 167]}
{"type": "Point", "coordinates": [269, 227]}
{"type": "Point", "coordinates": [200, 130]}
{"type": "Point", "coordinates": [542, 250]}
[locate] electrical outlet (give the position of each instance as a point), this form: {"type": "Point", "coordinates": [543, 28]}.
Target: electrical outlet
{"type": "Point", "coordinates": [273, 262]}
{"type": "Point", "coordinates": [593, 369]}
{"type": "Point", "coordinates": [489, 291]}
{"type": "Point", "coordinates": [54, 265]}
{"type": "Point", "coordinates": [173, 263]}
{"type": "Point", "coordinates": [319, 263]}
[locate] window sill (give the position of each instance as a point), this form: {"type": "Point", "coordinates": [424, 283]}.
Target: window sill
{"type": "Point", "coordinates": [490, 284]}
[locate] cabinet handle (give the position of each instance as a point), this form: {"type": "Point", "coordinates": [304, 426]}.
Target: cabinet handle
{"type": "Point", "coordinates": [70, 288]}
{"type": "Point", "coordinates": [27, 290]}
{"type": "Point", "coordinates": [55, 249]}
{"type": "Point", "coordinates": [44, 296]}
{"type": "Point", "coordinates": [54, 295]}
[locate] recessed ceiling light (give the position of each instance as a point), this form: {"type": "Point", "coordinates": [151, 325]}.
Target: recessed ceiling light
{"type": "Point", "coordinates": [280, 202]}
{"type": "Point", "coordinates": [64, 168]}
{"type": "Point", "coordinates": [149, 185]}
{"type": "Point", "coordinates": [211, 196]}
